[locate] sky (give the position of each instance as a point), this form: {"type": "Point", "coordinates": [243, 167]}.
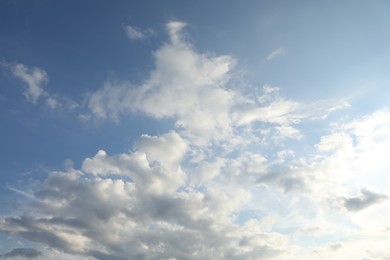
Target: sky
{"type": "Point", "coordinates": [194, 129]}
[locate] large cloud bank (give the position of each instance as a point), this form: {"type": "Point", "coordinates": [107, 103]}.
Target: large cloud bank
{"type": "Point", "coordinates": [229, 181]}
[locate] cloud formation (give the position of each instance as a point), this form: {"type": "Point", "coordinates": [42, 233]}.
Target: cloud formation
{"type": "Point", "coordinates": [151, 214]}
{"type": "Point", "coordinates": [193, 89]}
{"type": "Point", "coordinates": [135, 33]}
{"type": "Point", "coordinates": [276, 53]}
{"type": "Point", "coordinates": [231, 180]}
{"type": "Point", "coordinates": [35, 79]}
{"type": "Point", "coordinates": [366, 199]}
{"type": "Point", "coordinates": [184, 85]}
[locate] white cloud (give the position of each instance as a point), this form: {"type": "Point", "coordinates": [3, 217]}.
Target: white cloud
{"type": "Point", "coordinates": [135, 33]}
{"type": "Point", "coordinates": [175, 31]}
{"type": "Point", "coordinates": [269, 94]}
{"type": "Point", "coordinates": [359, 149]}
{"type": "Point", "coordinates": [366, 247]}
{"type": "Point", "coordinates": [276, 53]}
{"type": "Point", "coordinates": [184, 85]}
{"type": "Point", "coordinates": [51, 102]}
{"type": "Point", "coordinates": [352, 156]}
{"type": "Point", "coordinates": [148, 216]}
{"type": "Point", "coordinates": [192, 88]}
{"type": "Point", "coordinates": [34, 78]}
{"type": "Point", "coordinates": [232, 179]}
{"type": "Point", "coordinates": [154, 165]}
{"type": "Point", "coordinates": [278, 112]}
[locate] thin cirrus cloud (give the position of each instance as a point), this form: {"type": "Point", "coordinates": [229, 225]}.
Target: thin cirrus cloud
{"type": "Point", "coordinates": [228, 181]}
{"type": "Point", "coordinates": [275, 54]}
{"type": "Point", "coordinates": [135, 33]}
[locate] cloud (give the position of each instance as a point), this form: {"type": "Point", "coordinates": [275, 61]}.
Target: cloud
{"type": "Point", "coordinates": [194, 90]}
{"type": "Point", "coordinates": [286, 180]}
{"type": "Point", "coordinates": [34, 78]}
{"type": "Point", "coordinates": [175, 29]}
{"type": "Point", "coordinates": [23, 252]}
{"type": "Point", "coordinates": [184, 85]}
{"type": "Point", "coordinates": [154, 214]}
{"type": "Point", "coordinates": [355, 152]}
{"type": "Point", "coordinates": [366, 199]}
{"type": "Point", "coordinates": [278, 112]}
{"type": "Point", "coordinates": [276, 53]}
{"type": "Point", "coordinates": [234, 178]}
{"type": "Point", "coordinates": [21, 192]}
{"type": "Point", "coordinates": [154, 165]}
{"type": "Point", "coordinates": [135, 33]}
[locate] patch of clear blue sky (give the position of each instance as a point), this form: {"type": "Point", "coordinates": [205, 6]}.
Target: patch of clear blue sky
{"type": "Point", "coordinates": [333, 49]}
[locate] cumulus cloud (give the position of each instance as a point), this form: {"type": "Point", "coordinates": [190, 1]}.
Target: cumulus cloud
{"type": "Point", "coordinates": [135, 33]}
{"type": "Point", "coordinates": [184, 85]}
{"type": "Point", "coordinates": [209, 187]}
{"type": "Point", "coordinates": [155, 165]}
{"type": "Point", "coordinates": [193, 89]}
{"type": "Point", "coordinates": [154, 214]}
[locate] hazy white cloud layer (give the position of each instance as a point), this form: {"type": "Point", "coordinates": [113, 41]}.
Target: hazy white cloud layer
{"type": "Point", "coordinates": [231, 180]}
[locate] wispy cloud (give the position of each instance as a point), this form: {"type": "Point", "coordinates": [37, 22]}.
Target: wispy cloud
{"type": "Point", "coordinates": [276, 53]}
{"type": "Point", "coordinates": [21, 192]}
{"type": "Point", "coordinates": [23, 252]}
{"type": "Point", "coordinates": [35, 79]}
{"type": "Point", "coordinates": [135, 33]}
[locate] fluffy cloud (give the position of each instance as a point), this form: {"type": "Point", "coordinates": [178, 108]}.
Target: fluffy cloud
{"type": "Point", "coordinates": [154, 214]}
{"type": "Point", "coordinates": [194, 89]}
{"type": "Point", "coordinates": [184, 85]}
{"type": "Point", "coordinates": [231, 180]}
{"type": "Point", "coordinates": [155, 165]}
{"type": "Point", "coordinates": [355, 151]}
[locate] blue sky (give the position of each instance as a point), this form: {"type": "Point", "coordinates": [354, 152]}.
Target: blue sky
{"type": "Point", "coordinates": [189, 130]}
